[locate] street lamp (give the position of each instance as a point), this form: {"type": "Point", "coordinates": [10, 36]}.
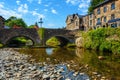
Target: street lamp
{"type": "Point", "coordinates": [41, 22]}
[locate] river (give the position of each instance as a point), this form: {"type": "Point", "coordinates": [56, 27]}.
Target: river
{"type": "Point", "coordinates": [80, 60]}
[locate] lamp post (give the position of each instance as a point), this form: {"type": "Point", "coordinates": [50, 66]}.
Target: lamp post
{"type": "Point", "coordinates": [41, 22]}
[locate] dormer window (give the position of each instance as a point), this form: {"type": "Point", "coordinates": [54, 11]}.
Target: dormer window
{"type": "Point", "coordinates": [98, 11]}
{"type": "Point", "coordinates": [112, 6]}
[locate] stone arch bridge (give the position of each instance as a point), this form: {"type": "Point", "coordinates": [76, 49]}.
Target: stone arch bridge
{"type": "Point", "coordinates": [7, 34]}
{"type": "Point", "coordinates": [64, 36]}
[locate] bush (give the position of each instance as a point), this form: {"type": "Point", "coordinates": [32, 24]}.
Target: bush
{"type": "Point", "coordinates": [103, 39]}
{"type": "Point", "coordinates": [1, 45]}
{"type": "Point", "coordinates": [53, 42]}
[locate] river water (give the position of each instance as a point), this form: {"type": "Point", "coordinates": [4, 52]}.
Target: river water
{"type": "Point", "coordinates": [77, 59]}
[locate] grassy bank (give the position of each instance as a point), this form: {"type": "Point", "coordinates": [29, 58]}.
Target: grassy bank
{"type": "Point", "coordinates": [103, 39]}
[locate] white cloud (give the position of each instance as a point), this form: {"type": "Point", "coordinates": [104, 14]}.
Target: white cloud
{"type": "Point", "coordinates": [30, 1]}
{"type": "Point", "coordinates": [1, 6]}
{"type": "Point", "coordinates": [6, 13]}
{"type": "Point", "coordinates": [36, 9]}
{"type": "Point", "coordinates": [39, 1]}
{"type": "Point", "coordinates": [83, 5]}
{"type": "Point", "coordinates": [46, 5]}
{"type": "Point", "coordinates": [23, 8]}
{"type": "Point", "coordinates": [45, 10]}
{"type": "Point", "coordinates": [53, 11]}
{"type": "Point", "coordinates": [34, 13]}
{"type": "Point", "coordinates": [18, 2]}
{"type": "Point", "coordinates": [50, 25]}
{"type": "Point", "coordinates": [73, 2]}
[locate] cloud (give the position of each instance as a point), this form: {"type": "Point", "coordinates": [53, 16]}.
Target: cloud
{"type": "Point", "coordinates": [51, 25]}
{"type": "Point", "coordinates": [45, 10]}
{"type": "Point", "coordinates": [1, 6]}
{"type": "Point", "coordinates": [30, 1]}
{"type": "Point", "coordinates": [39, 1]}
{"type": "Point", "coordinates": [18, 2]}
{"type": "Point", "coordinates": [73, 2]}
{"type": "Point", "coordinates": [83, 5]}
{"type": "Point", "coordinates": [34, 13]}
{"type": "Point", "coordinates": [23, 8]}
{"type": "Point", "coordinates": [6, 13]}
{"type": "Point", "coordinates": [76, 2]}
{"type": "Point", "coordinates": [53, 11]}
{"type": "Point", "coordinates": [46, 5]}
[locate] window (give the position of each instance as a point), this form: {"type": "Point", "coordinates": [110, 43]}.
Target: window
{"type": "Point", "coordinates": [112, 6]}
{"type": "Point", "coordinates": [105, 9]}
{"type": "Point", "coordinates": [98, 20]}
{"type": "Point", "coordinates": [90, 22]}
{"type": "Point", "coordinates": [76, 23]}
{"type": "Point", "coordinates": [112, 16]}
{"type": "Point", "coordinates": [105, 19]}
{"type": "Point", "coordinates": [90, 15]}
{"type": "Point", "coordinates": [98, 11]}
{"type": "Point", "coordinates": [114, 25]}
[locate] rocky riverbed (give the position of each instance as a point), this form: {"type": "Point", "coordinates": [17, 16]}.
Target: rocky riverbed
{"type": "Point", "coordinates": [15, 66]}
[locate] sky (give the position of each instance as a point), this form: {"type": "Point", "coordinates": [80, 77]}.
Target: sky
{"type": "Point", "coordinates": [53, 12]}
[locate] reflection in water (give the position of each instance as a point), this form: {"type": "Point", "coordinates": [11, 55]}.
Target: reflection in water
{"type": "Point", "coordinates": [49, 51]}
{"type": "Point", "coordinates": [109, 67]}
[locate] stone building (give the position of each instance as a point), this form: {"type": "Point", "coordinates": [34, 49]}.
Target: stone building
{"type": "Point", "coordinates": [2, 21]}
{"type": "Point", "coordinates": [107, 13]}
{"type": "Point", "coordinates": [104, 14]}
{"type": "Point", "coordinates": [74, 21]}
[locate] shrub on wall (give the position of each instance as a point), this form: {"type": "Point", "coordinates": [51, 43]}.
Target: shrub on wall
{"type": "Point", "coordinates": [41, 32]}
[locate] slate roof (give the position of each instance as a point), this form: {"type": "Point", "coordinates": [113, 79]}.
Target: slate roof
{"type": "Point", "coordinates": [114, 20]}
{"type": "Point", "coordinates": [2, 18]}
{"type": "Point", "coordinates": [72, 16]}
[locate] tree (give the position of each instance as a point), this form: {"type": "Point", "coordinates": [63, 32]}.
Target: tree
{"type": "Point", "coordinates": [15, 21]}
{"type": "Point", "coordinates": [93, 3]}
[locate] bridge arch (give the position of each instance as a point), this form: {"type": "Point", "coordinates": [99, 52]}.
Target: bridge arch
{"type": "Point", "coordinates": [13, 37]}
{"type": "Point", "coordinates": [62, 39]}
{"type": "Point", "coordinates": [8, 34]}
